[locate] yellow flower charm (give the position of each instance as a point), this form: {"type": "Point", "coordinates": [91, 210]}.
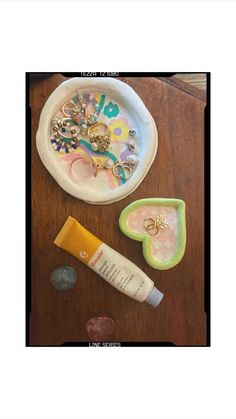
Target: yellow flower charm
{"type": "Point", "coordinates": [119, 129]}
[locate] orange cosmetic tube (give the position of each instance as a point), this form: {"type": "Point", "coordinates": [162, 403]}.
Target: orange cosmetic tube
{"type": "Point", "coordinates": [116, 269]}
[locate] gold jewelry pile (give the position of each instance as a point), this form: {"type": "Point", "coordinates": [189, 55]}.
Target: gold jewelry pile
{"type": "Point", "coordinates": [81, 119]}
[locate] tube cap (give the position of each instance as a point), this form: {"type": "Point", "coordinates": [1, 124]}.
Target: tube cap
{"type": "Point", "coordinates": [154, 297]}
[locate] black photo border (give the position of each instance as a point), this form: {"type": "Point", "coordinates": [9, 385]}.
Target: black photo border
{"type": "Point", "coordinates": [29, 76]}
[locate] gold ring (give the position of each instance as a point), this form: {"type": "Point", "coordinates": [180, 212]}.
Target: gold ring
{"type": "Point", "coordinates": [115, 173]}
{"type": "Point", "coordinates": [128, 170]}
{"type": "Point", "coordinates": [149, 223]}
{"type": "Point", "coordinates": [154, 231]}
{"type": "Point", "coordinates": [127, 167]}
{"type": "Point", "coordinates": [151, 226]}
{"type": "Point", "coordinates": [73, 108]}
{"type": "Point", "coordinates": [93, 128]}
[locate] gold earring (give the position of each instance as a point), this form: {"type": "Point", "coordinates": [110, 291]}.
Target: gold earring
{"type": "Point", "coordinates": [152, 225]}
{"type": "Point", "coordinates": [99, 136]}
{"type": "Point", "coordinates": [160, 222]}
{"type": "Point", "coordinates": [73, 108]}
{"type": "Point", "coordinates": [149, 223]}
{"type": "Point", "coordinates": [123, 170]}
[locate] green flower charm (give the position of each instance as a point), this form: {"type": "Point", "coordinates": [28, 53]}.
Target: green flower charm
{"type": "Point", "coordinates": [111, 110]}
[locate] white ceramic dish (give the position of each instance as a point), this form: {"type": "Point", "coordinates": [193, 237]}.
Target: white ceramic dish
{"type": "Point", "coordinates": [121, 109]}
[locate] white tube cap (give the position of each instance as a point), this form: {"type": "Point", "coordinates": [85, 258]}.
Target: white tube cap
{"type": "Point", "coordinates": [154, 297]}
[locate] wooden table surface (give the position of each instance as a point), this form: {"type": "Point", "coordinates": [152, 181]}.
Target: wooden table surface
{"type": "Point", "coordinates": [178, 171]}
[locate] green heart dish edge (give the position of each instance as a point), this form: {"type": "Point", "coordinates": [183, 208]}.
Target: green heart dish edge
{"type": "Point", "coordinates": [160, 224]}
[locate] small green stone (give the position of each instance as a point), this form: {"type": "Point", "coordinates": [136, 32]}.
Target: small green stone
{"type": "Point", "coordinates": [63, 278]}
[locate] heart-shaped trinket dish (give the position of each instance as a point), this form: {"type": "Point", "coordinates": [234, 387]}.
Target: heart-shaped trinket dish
{"type": "Point", "coordinates": [96, 138]}
{"type": "Point", "coordinates": [159, 223]}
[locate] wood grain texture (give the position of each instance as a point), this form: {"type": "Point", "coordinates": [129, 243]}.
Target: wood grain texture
{"type": "Point", "coordinates": [58, 317]}
{"type": "Point", "coordinates": [185, 87]}
{"type": "Point", "coordinates": [197, 80]}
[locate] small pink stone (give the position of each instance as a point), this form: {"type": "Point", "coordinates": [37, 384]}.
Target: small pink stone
{"type": "Point", "coordinates": [100, 328]}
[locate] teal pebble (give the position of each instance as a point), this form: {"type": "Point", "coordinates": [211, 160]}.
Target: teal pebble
{"type": "Point", "coordinates": [63, 278]}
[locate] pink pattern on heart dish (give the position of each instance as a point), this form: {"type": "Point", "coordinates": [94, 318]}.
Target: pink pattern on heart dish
{"type": "Point", "coordinates": [164, 244]}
